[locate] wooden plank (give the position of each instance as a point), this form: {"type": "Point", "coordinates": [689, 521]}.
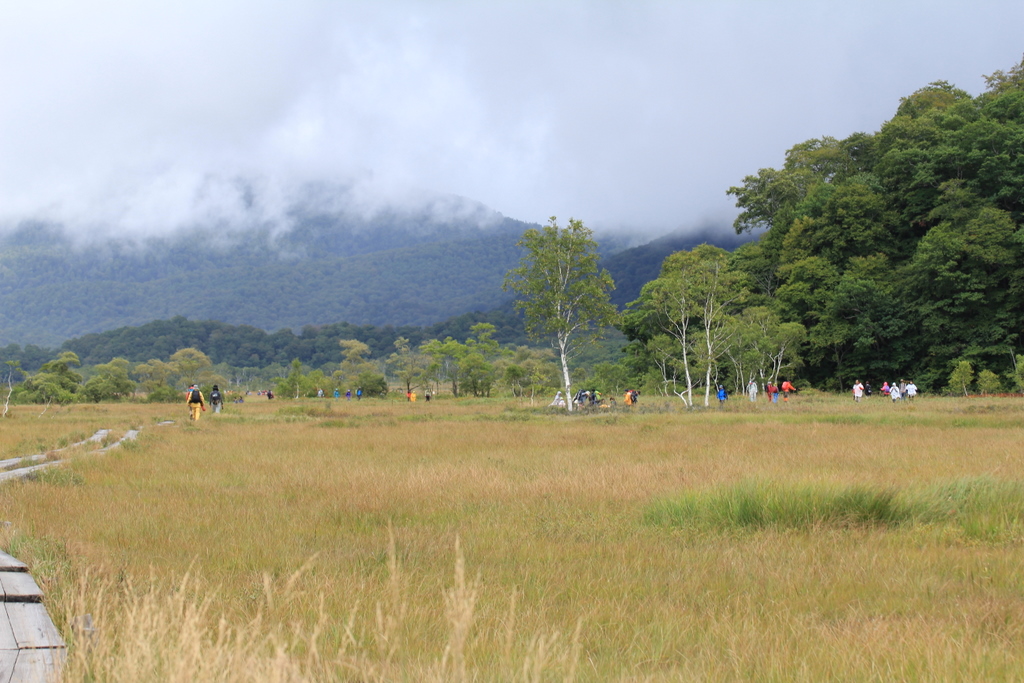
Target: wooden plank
{"type": "Point", "coordinates": [20, 587]}
{"type": "Point", "coordinates": [32, 625]}
{"type": "Point", "coordinates": [18, 461]}
{"type": "Point", "coordinates": [37, 666]}
{"type": "Point", "coordinates": [8, 660]}
{"type": "Point", "coordinates": [25, 471]}
{"type": "Point", "coordinates": [7, 640]}
{"type": "Point", "coordinates": [11, 564]}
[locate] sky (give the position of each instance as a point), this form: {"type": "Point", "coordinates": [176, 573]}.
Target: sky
{"type": "Point", "coordinates": [140, 117]}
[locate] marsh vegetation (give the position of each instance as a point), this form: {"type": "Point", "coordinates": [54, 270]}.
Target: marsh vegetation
{"type": "Point", "coordinates": [484, 540]}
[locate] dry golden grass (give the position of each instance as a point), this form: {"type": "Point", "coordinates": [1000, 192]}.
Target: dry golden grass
{"type": "Point", "coordinates": [480, 540]}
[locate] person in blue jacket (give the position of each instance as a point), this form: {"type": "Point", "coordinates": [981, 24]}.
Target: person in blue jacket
{"type": "Point", "coordinates": [722, 396]}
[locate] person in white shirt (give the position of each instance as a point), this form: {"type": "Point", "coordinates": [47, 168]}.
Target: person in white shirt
{"type": "Point", "coordinates": [858, 391]}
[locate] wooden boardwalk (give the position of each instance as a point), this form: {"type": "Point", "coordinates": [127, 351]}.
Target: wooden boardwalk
{"type": "Point", "coordinates": [22, 467]}
{"type": "Point", "coordinates": [31, 649]}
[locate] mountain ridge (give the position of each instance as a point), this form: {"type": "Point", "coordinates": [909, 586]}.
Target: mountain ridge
{"type": "Point", "coordinates": [411, 266]}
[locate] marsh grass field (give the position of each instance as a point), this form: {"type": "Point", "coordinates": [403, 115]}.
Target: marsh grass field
{"type": "Point", "coordinates": [488, 540]}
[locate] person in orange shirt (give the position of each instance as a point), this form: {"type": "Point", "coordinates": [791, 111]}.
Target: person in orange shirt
{"type": "Point", "coordinates": [787, 387]}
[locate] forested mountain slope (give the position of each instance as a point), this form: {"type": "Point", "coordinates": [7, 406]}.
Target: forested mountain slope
{"type": "Point", "coordinates": [399, 268]}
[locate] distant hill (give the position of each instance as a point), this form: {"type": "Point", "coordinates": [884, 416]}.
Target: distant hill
{"type": "Point", "coordinates": [398, 267]}
{"type": "Point", "coordinates": [633, 268]}
{"type": "Point", "coordinates": [409, 267]}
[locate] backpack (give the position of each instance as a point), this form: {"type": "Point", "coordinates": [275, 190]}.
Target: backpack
{"type": "Point", "coordinates": [196, 397]}
{"type": "Point", "coordinates": [215, 396]}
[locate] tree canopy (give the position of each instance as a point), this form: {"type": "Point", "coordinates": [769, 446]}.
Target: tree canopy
{"type": "Point", "coordinates": [902, 251]}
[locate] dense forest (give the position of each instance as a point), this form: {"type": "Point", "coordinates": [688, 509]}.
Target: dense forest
{"type": "Point", "coordinates": [890, 255]}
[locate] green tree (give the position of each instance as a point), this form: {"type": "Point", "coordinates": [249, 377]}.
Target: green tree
{"type": "Point", "coordinates": [962, 377]}
{"type": "Point", "coordinates": [467, 366]}
{"type": "Point", "coordinates": [445, 357]}
{"type": "Point", "coordinates": [528, 371]}
{"type": "Point", "coordinates": [373, 383]}
{"type": "Point", "coordinates": [966, 280]}
{"type": "Point", "coordinates": [989, 382]}
{"type": "Point", "coordinates": [111, 382]}
{"type": "Point", "coordinates": [155, 376]}
{"type": "Point", "coordinates": [189, 365]}
{"type": "Point", "coordinates": [55, 382]}
{"type": "Point", "coordinates": [354, 364]}
{"type": "Point", "coordinates": [409, 366]}
{"type": "Point", "coordinates": [298, 383]}
{"type": "Point", "coordinates": [612, 378]}
{"type": "Point", "coordinates": [763, 346]}
{"type": "Point", "coordinates": [693, 302]}
{"type": "Point", "coordinates": [562, 291]}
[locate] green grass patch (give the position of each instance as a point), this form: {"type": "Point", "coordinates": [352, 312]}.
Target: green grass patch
{"type": "Point", "coordinates": [57, 476]}
{"type": "Point", "coordinates": [982, 508]}
{"type": "Point", "coordinates": [312, 411]}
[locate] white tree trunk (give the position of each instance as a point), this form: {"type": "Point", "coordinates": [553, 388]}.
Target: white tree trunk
{"type": "Point", "coordinates": [562, 352]}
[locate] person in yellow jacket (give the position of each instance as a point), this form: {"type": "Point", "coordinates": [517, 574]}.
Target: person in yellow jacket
{"type": "Point", "coordinates": [196, 404]}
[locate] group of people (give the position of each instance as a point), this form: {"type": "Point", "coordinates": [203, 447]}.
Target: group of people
{"type": "Point", "coordinates": [587, 397]}
{"type": "Point", "coordinates": [897, 391]}
{"type": "Point", "coordinates": [410, 395]}
{"type": "Point", "coordinates": [197, 402]}
{"type": "Point", "coordinates": [903, 391]}
{"type": "Point", "coordinates": [771, 390]}
{"type": "Point", "coordinates": [592, 398]}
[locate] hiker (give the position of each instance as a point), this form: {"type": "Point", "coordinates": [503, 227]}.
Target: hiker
{"type": "Point", "coordinates": [216, 400]}
{"type": "Point", "coordinates": [911, 390]}
{"type": "Point", "coordinates": [894, 393]}
{"type": "Point", "coordinates": [359, 394]}
{"type": "Point", "coordinates": [557, 401]}
{"type": "Point", "coordinates": [195, 402]}
{"type": "Point", "coordinates": [348, 395]}
{"type": "Point", "coordinates": [858, 391]}
{"type": "Point", "coordinates": [337, 394]}
{"type": "Point", "coordinates": [787, 389]}
{"type": "Point", "coordinates": [722, 396]}
{"type": "Point", "coordinates": [752, 390]}
{"type": "Point", "coordinates": [270, 394]}
{"type": "Point", "coordinates": [867, 388]}
{"type": "Point", "coordinates": [885, 388]}
{"type": "Point", "coordinates": [772, 391]}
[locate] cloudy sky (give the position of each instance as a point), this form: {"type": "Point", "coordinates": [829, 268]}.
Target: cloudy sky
{"type": "Point", "coordinates": [141, 116]}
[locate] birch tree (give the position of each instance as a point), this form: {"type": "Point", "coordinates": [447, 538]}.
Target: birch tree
{"type": "Point", "coordinates": [562, 290]}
